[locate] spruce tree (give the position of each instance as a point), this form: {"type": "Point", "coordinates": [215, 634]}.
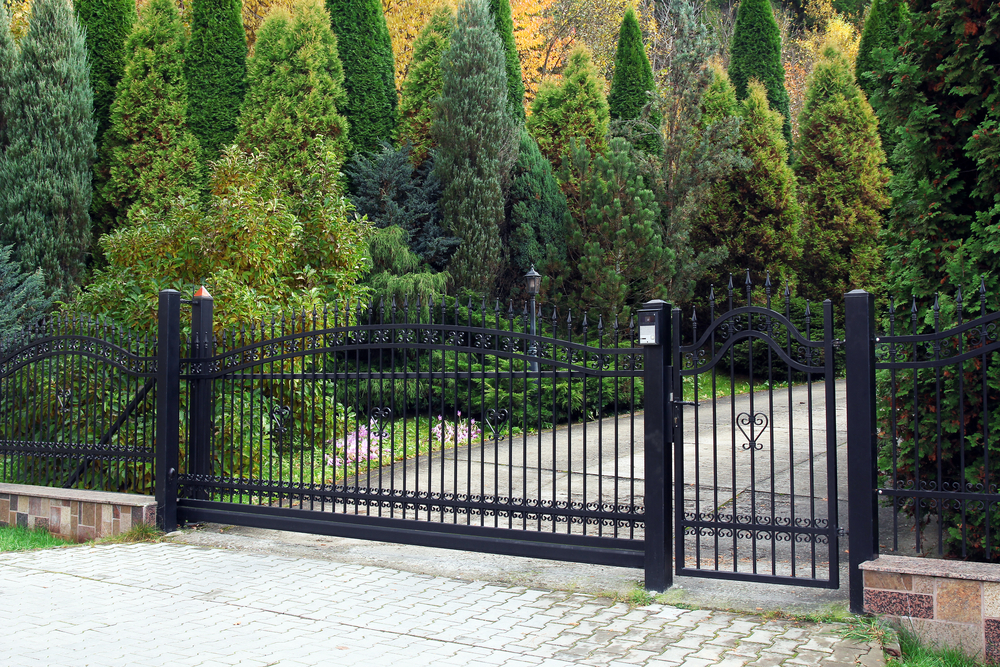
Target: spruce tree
{"type": "Point", "coordinates": [632, 81]}
{"type": "Point", "coordinates": [537, 209]}
{"type": "Point", "coordinates": [942, 228]}
{"type": "Point", "coordinates": [215, 66]}
{"type": "Point", "coordinates": [22, 295]}
{"type": "Point", "coordinates": [45, 173]}
{"type": "Point", "coordinates": [500, 9]}
{"type": "Point", "coordinates": [842, 185]}
{"type": "Point", "coordinates": [754, 213]}
{"type": "Point", "coordinates": [8, 57]}
{"type": "Point", "coordinates": [476, 137]}
{"type": "Point", "coordinates": [108, 24]}
{"type": "Point", "coordinates": [423, 84]}
{"type": "Point", "coordinates": [366, 53]}
{"type": "Point", "coordinates": [756, 53]}
{"type": "Point", "coordinates": [294, 93]}
{"type": "Point", "coordinates": [574, 108]}
{"type": "Point", "coordinates": [153, 158]}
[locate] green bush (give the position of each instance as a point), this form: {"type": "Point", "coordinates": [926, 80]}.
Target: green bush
{"type": "Point", "coordinates": [423, 85]}
{"type": "Point", "coordinates": [504, 24]}
{"type": "Point", "coordinates": [22, 297]}
{"type": "Point", "coordinates": [107, 24]}
{"type": "Point", "coordinates": [537, 210]}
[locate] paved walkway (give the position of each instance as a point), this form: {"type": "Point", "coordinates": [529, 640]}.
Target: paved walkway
{"type": "Point", "coordinates": [181, 605]}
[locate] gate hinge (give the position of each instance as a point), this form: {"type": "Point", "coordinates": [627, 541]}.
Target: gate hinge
{"type": "Point", "coordinates": [841, 531]}
{"type": "Point", "coordinates": [838, 342]}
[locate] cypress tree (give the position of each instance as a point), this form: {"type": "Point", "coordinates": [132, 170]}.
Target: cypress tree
{"type": "Point", "coordinates": [575, 108]}
{"type": "Point", "coordinates": [754, 213]}
{"type": "Point", "coordinates": [45, 174]}
{"type": "Point", "coordinates": [842, 185]}
{"type": "Point", "coordinates": [476, 136]}
{"type": "Point", "coordinates": [215, 66]}
{"type": "Point", "coordinates": [500, 9]}
{"type": "Point", "coordinates": [942, 228]}
{"type": "Point", "coordinates": [537, 209]}
{"type": "Point", "coordinates": [886, 21]}
{"type": "Point", "coordinates": [8, 56]}
{"type": "Point", "coordinates": [423, 84]}
{"type": "Point", "coordinates": [756, 53]}
{"type": "Point", "coordinates": [153, 158]}
{"type": "Point", "coordinates": [108, 24]}
{"type": "Point", "coordinates": [366, 53]}
{"type": "Point", "coordinates": [633, 80]}
{"type": "Point", "coordinates": [295, 89]}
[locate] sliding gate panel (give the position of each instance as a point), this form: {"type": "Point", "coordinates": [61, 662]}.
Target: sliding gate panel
{"type": "Point", "coordinates": [756, 445]}
{"type": "Point", "coordinates": [424, 424]}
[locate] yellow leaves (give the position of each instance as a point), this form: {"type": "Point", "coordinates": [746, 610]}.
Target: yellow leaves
{"type": "Point", "coordinates": [405, 19]}
{"type": "Point", "coordinates": [539, 51]}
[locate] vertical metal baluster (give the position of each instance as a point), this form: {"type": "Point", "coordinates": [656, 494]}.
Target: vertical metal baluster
{"type": "Point", "coordinates": [916, 424]}
{"type": "Point", "coordinates": [963, 487]}
{"type": "Point", "coordinates": [812, 442]}
{"type": "Point", "coordinates": [941, 483]}
{"type": "Point", "coordinates": [986, 416]}
{"type": "Point", "coordinates": [893, 421]}
{"type": "Point", "coordinates": [697, 431]}
{"type": "Point", "coordinates": [769, 323]}
{"type": "Point", "coordinates": [712, 343]}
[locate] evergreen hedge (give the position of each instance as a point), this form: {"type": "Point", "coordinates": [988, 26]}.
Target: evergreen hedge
{"type": "Point", "coordinates": [369, 71]}
{"type": "Point", "coordinates": [423, 84]}
{"type": "Point", "coordinates": [108, 24]}
{"type": "Point", "coordinates": [8, 56]}
{"type": "Point", "coordinates": [215, 66]}
{"type": "Point", "coordinates": [153, 158]}
{"type": "Point", "coordinates": [45, 173]}
{"type": "Point", "coordinates": [756, 53]}
{"type": "Point", "coordinates": [500, 9]}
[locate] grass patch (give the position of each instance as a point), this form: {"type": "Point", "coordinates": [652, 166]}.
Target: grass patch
{"type": "Point", "coordinates": [139, 533]}
{"type": "Point", "coordinates": [724, 387]}
{"type": "Point", "coordinates": [15, 538]}
{"type": "Point", "coordinates": [918, 654]}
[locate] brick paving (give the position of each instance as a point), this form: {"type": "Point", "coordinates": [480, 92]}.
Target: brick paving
{"type": "Point", "coordinates": [181, 605]}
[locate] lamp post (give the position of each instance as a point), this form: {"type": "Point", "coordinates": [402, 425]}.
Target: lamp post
{"type": "Point", "coordinates": [533, 283]}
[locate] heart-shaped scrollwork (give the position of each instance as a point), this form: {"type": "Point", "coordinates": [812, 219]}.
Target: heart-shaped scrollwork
{"type": "Point", "coordinates": [756, 422]}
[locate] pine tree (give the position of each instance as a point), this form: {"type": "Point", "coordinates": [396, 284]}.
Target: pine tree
{"type": "Point", "coordinates": [842, 185]}
{"type": "Point", "coordinates": [8, 57]}
{"type": "Point", "coordinates": [754, 213]}
{"type": "Point", "coordinates": [500, 10]}
{"type": "Point", "coordinates": [108, 24]}
{"type": "Point", "coordinates": [756, 53]}
{"type": "Point", "coordinates": [45, 174]}
{"type": "Point", "coordinates": [294, 92]}
{"type": "Point", "coordinates": [423, 84]}
{"type": "Point", "coordinates": [537, 209]}
{"type": "Point", "coordinates": [945, 188]}
{"type": "Point", "coordinates": [575, 108]}
{"type": "Point", "coordinates": [476, 136]}
{"type": "Point", "coordinates": [215, 67]}
{"type": "Point", "coordinates": [153, 158]}
{"type": "Point", "coordinates": [616, 255]}
{"type": "Point", "coordinates": [369, 71]}
{"type": "Point", "coordinates": [632, 81]}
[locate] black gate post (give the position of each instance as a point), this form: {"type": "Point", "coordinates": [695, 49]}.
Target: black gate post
{"type": "Point", "coordinates": [656, 445]}
{"type": "Point", "coordinates": [200, 439]}
{"type": "Point", "coordinates": [168, 394]}
{"type": "Point", "coordinates": [862, 480]}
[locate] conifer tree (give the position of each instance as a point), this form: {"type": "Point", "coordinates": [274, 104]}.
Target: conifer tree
{"type": "Point", "coordinates": [365, 50]}
{"type": "Point", "coordinates": [423, 84]}
{"type": "Point", "coordinates": [500, 10]}
{"type": "Point", "coordinates": [108, 24]}
{"type": "Point", "coordinates": [632, 81]}
{"type": "Point", "coordinates": [153, 158]}
{"type": "Point", "coordinates": [8, 56]}
{"type": "Point", "coordinates": [574, 108]}
{"type": "Point", "coordinates": [842, 185]}
{"type": "Point", "coordinates": [754, 213]}
{"type": "Point", "coordinates": [887, 21]}
{"type": "Point", "coordinates": [537, 209]}
{"type": "Point", "coordinates": [616, 256]}
{"type": "Point", "coordinates": [294, 93]}
{"type": "Point", "coordinates": [942, 228]}
{"type": "Point", "coordinates": [756, 53]}
{"type": "Point", "coordinates": [45, 173]}
{"type": "Point", "coordinates": [215, 66]}
{"type": "Point", "coordinates": [476, 137]}
{"type": "Point", "coordinates": [22, 295]}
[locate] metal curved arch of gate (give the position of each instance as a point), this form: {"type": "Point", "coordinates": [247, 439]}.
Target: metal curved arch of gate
{"type": "Point", "coordinates": [756, 471]}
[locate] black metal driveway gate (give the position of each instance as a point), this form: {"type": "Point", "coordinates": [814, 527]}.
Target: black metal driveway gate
{"type": "Point", "coordinates": [756, 474]}
{"type": "Point", "coordinates": [425, 424]}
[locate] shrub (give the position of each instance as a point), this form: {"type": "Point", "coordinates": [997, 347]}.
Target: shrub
{"type": "Point", "coordinates": [423, 85]}
{"type": "Point", "coordinates": [108, 24]}
{"type": "Point", "coordinates": [22, 296]}
{"type": "Point", "coordinates": [500, 10]}
{"type": "Point", "coordinates": [537, 210]}
{"type": "Point", "coordinates": [45, 173]}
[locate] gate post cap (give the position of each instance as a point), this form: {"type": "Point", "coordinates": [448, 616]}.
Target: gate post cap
{"type": "Point", "coordinates": [655, 304]}
{"type": "Point", "coordinates": [202, 293]}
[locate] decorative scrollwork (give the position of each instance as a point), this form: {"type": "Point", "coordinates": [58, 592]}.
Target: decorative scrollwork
{"type": "Point", "coordinates": [280, 416]}
{"type": "Point", "coordinates": [497, 422]}
{"type": "Point", "coordinates": [63, 397]}
{"type": "Point", "coordinates": [757, 423]}
{"type": "Point", "coordinates": [380, 416]}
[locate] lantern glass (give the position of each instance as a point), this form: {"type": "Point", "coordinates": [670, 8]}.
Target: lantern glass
{"type": "Point", "coordinates": [533, 282]}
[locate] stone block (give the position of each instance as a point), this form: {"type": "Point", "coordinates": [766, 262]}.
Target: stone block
{"type": "Point", "coordinates": [888, 580]}
{"type": "Point", "coordinates": [41, 522]}
{"type": "Point", "coordinates": [4, 508]}
{"type": "Point", "coordinates": [964, 636]}
{"type": "Point", "coordinates": [149, 515]}
{"type": "Point", "coordinates": [88, 515]}
{"type": "Point", "coordinates": [991, 598]}
{"type": "Point", "coordinates": [22, 519]}
{"type": "Point", "coordinates": [136, 516]}
{"type": "Point", "coordinates": [125, 522]}
{"type": "Point", "coordinates": [84, 533]}
{"type": "Point", "coordinates": [22, 504]}
{"type": "Point", "coordinates": [991, 637]}
{"type": "Point", "coordinates": [899, 604]}
{"type": "Point", "coordinates": [922, 584]}
{"type": "Point", "coordinates": [35, 506]}
{"type": "Point", "coordinates": [55, 520]}
{"type": "Point", "coordinates": [959, 601]}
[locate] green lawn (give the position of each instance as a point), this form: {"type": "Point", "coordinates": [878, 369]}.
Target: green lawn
{"type": "Point", "coordinates": [15, 538]}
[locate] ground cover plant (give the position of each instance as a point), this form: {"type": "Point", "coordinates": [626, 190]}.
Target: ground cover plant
{"type": "Point", "coordinates": [16, 538]}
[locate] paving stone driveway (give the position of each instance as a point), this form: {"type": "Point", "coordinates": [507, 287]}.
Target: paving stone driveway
{"type": "Point", "coordinates": [180, 605]}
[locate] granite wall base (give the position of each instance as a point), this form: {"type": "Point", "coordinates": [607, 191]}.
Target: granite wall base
{"type": "Point", "coordinates": [72, 514]}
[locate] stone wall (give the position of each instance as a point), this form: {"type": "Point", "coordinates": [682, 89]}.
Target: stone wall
{"type": "Point", "coordinates": [948, 603]}
{"type": "Point", "coordinates": [74, 514]}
